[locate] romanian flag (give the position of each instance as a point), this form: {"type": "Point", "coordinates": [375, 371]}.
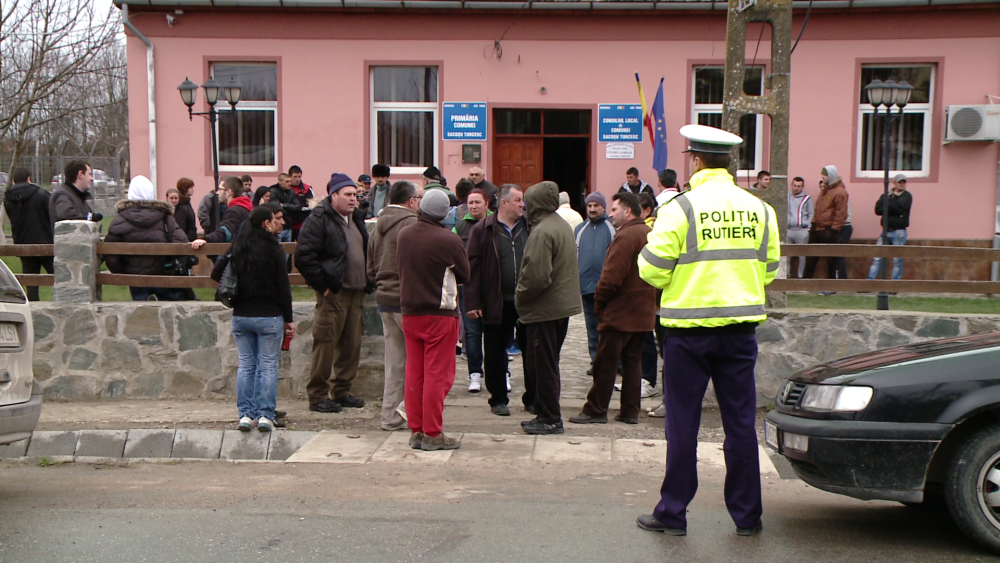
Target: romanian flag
{"type": "Point", "coordinates": [645, 114]}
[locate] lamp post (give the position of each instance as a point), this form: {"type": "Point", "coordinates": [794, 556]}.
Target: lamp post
{"type": "Point", "coordinates": [889, 93]}
{"type": "Point", "coordinates": [189, 94]}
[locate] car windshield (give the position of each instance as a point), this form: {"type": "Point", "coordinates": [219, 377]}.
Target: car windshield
{"type": "Point", "coordinates": [10, 290]}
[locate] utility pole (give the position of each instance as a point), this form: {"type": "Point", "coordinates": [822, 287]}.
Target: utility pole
{"type": "Point", "coordinates": [773, 101]}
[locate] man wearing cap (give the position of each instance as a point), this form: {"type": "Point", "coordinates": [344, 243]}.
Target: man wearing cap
{"type": "Point", "coordinates": [712, 250]}
{"type": "Point", "coordinates": [364, 184]}
{"type": "Point", "coordinates": [332, 254]}
{"type": "Point", "coordinates": [378, 197]}
{"type": "Point", "coordinates": [433, 180]}
{"type": "Point", "coordinates": [593, 237]}
{"type": "Point", "coordinates": [432, 264]}
{"type": "Point", "coordinates": [896, 222]}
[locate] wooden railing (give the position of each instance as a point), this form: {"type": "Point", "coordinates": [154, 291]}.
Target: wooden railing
{"type": "Point", "coordinates": [40, 250]}
{"type": "Point", "coordinates": [946, 253]}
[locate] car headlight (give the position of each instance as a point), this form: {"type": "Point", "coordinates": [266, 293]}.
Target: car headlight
{"type": "Point", "coordinates": [836, 398]}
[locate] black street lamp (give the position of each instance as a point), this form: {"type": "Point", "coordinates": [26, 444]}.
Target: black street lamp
{"type": "Point", "coordinates": [189, 94]}
{"type": "Point", "coordinates": [889, 93]}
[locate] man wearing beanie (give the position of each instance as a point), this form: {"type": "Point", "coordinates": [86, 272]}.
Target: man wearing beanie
{"type": "Point", "coordinates": [433, 180]}
{"type": "Point", "coordinates": [331, 255]}
{"type": "Point", "coordinates": [379, 194]}
{"type": "Point", "coordinates": [546, 297]}
{"type": "Point", "coordinates": [593, 237]}
{"type": "Point", "coordinates": [432, 264]}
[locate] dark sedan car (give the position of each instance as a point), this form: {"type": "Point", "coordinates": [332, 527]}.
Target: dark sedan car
{"type": "Point", "coordinates": [914, 424]}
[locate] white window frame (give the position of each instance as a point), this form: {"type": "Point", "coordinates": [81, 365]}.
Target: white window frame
{"type": "Point", "coordinates": [927, 109]}
{"type": "Point", "coordinates": [430, 107]}
{"type": "Point", "coordinates": [697, 109]}
{"type": "Point", "coordinates": [223, 107]}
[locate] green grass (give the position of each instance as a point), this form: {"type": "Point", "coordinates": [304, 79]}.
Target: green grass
{"type": "Point", "coordinates": [972, 304]}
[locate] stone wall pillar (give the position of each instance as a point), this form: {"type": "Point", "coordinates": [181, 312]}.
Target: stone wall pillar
{"type": "Point", "coordinates": [76, 262]}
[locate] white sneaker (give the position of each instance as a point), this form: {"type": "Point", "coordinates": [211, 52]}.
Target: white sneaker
{"type": "Point", "coordinates": [475, 383]}
{"type": "Point", "coordinates": [648, 390]}
{"type": "Point", "coordinates": [508, 382]}
{"type": "Point", "coordinates": [246, 424]}
{"type": "Point", "coordinates": [264, 424]}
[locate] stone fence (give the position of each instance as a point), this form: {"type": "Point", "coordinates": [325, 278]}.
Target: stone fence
{"type": "Point", "coordinates": [86, 349]}
{"type": "Point", "coordinates": [185, 350]}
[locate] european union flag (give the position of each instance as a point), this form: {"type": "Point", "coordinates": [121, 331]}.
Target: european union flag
{"type": "Point", "coordinates": [659, 132]}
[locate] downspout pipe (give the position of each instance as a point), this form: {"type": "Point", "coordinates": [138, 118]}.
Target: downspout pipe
{"type": "Point", "coordinates": [995, 268]}
{"type": "Point", "coordinates": [150, 92]}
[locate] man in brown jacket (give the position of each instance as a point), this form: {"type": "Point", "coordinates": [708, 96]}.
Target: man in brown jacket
{"type": "Point", "coordinates": [829, 218]}
{"type": "Point", "coordinates": [626, 309]}
{"type": "Point", "coordinates": [403, 204]}
{"type": "Point", "coordinates": [432, 263]}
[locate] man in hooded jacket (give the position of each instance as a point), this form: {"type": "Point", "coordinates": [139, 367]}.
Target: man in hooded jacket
{"type": "Point", "coordinates": [548, 293]}
{"type": "Point", "coordinates": [829, 219]}
{"type": "Point", "coordinates": [143, 218]}
{"type": "Point", "coordinates": [27, 206]}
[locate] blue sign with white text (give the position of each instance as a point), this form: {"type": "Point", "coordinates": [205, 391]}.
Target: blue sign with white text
{"type": "Point", "coordinates": [464, 121]}
{"type": "Point", "coordinates": [619, 123]}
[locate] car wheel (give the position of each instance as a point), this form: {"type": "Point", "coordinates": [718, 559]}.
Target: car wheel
{"type": "Point", "coordinates": [972, 488]}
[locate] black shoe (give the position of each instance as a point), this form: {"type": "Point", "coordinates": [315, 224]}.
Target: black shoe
{"type": "Point", "coordinates": [530, 409]}
{"type": "Point", "coordinates": [584, 418]}
{"type": "Point", "coordinates": [525, 423]}
{"type": "Point", "coordinates": [590, 371]}
{"type": "Point", "coordinates": [326, 406]}
{"type": "Point", "coordinates": [500, 410]}
{"type": "Point", "coordinates": [279, 422]}
{"type": "Point", "coordinates": [751, 531]}
{"type": "Point", "coordinates": [650, 523]}
{"type": "Point", "coordinates": [621, 418]}
{"type": "Point", "coordinates": [536, 427]}
{"type": "Point", "coordinates": [280, 414]}
{"type": "Point", "coordinates": [349, 401]}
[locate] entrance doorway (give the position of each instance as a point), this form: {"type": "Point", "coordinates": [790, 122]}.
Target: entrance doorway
{"type": "Point", "coordinates": [532, 145]}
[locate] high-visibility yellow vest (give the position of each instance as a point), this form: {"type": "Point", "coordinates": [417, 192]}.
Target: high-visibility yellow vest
{"type": "Point", "coordinates": [712, 250]}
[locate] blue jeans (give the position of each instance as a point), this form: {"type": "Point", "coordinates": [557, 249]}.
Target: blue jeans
{"type": "Point", "coordinates": [258, 340]}
{"type": "Point", "coordinates": [896, 238]}
{"type": "Point", "coordinates": [590, 317]}
{"type": "Point", "coordinates": [473, 338]}
{"type": "Point", "coordinates": [285, 235]}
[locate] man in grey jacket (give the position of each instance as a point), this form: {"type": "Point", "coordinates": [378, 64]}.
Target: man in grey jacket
{"type": "Point", "coordinates": [800, 215]}
{"type": "Point", "coordinates": [593, 237]}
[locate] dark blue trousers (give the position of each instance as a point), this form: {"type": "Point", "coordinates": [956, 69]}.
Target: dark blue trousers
{"type": "Point", "coordinates": [728, 361]}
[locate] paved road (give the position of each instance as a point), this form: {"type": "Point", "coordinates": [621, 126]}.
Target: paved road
{"type": "Point", "coordinates": [222, 512]}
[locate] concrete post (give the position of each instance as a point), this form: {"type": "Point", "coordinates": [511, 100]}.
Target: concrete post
{"type": "Point", "coordinates": [773, 101]}
{"type": "Point", "coordinates": [76, 262]}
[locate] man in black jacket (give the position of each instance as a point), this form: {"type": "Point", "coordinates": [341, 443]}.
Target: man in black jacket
{"type": "Point", "coordinates": [69, 201]}
{"type": "Point", "coordinates": [238, 207]}
{"type": "Point", "coordinates": [283, 194]}
{"type": "Point", "coordinates": [496, 248]}
{"type": "Point", "coordinates": [27, 206]}
{"type": "Point", "coordinates": [898, 220]}
{"type": "Point", "coordinates": [332, 254]}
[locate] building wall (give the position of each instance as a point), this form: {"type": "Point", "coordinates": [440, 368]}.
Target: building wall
{"type": "Point", "coordinates": [324, 123]}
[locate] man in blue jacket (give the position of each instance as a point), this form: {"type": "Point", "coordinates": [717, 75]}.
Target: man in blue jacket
{"type": "Point", "coordinates": [593, 237]}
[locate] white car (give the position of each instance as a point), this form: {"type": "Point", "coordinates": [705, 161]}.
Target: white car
{"type": "Point", "coordinates": [20, 394]}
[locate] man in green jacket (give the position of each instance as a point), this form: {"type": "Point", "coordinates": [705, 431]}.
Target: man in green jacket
{"type": "Point", "coordinates": [548, 293]}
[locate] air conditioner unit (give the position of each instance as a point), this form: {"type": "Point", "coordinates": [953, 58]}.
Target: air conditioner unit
{"type": "Point", "coordinates": [972, 123]}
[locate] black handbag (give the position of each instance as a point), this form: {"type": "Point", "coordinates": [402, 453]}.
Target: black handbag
{"type": "Point", "coordinates": [176, 265]}
{"type": "Point", "coordinates": [226, 293]}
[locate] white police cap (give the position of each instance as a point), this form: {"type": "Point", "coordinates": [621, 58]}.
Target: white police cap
{"type": "Point", "coordinates": [709, 139]}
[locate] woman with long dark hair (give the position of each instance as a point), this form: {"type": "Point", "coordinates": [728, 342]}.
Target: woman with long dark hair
{"type": "Point", "coordinates": [262, 314]}
{"type": "Point", "coordinates": [183, 212]}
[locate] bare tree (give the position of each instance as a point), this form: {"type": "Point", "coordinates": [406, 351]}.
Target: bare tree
{"type": "Point", "coordinates": [62, 67]}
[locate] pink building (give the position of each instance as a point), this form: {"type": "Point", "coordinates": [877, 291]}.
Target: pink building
{"type": "Point", "coordinates": [339, 85]}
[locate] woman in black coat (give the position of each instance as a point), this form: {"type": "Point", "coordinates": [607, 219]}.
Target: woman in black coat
{"type": "Point", "coordinates": [262, 315]}
{"type": "Point", "coordinates": [183, 212]}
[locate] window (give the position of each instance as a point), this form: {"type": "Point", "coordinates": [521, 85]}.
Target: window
{"type": "Point", "coordinates": [910, 134]}
{"type": "Point", "coordinates": [248, 137]}
{"type": "Point", "coordinates": [709, 86]}
{"type": "Point", "coordinates": [404, 117]}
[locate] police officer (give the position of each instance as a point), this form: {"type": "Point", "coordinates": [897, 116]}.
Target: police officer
{"type": "Point", "coordinates": [712, 251]}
